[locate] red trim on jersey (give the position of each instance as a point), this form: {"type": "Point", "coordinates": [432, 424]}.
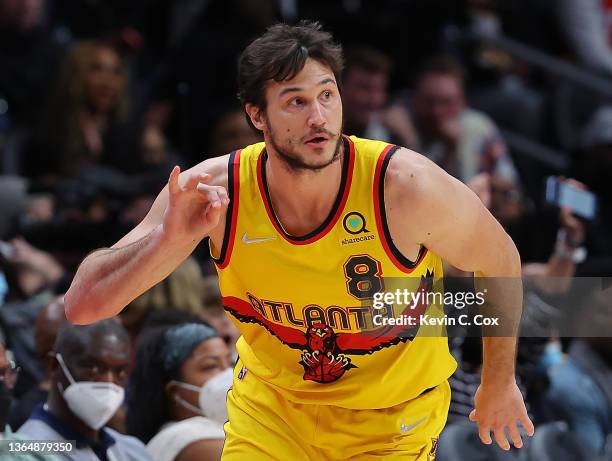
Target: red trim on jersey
{"type": "Point", "coordinates": [235, 198]}
{"type": "Point", "coordinates": [381, 224]}
{"type": "Point", "coordinates": [329, 223]}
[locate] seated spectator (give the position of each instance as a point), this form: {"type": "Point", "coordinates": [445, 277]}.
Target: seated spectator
{"type": "Point", "coordinates": [8, 376]}
{"type": "Point", "coordinates": [364, 92]}
{"type": "Point", "coordinates": [29, 52]}
{"type": "Point", "coordinates": [587, 26]}
{"type": "Point", "coordinates": [48, 322]}
{"type": "Point", "coordinates": [87, 121]}
{"type": "Point", "coordinates": [231, 132]}
{"type": "Point", "coordinates": [593, 167]}
{"type": "Point", "coordinates": [30, 271]}
{"type": "Point", "coordinates": [185, 371]}
{"type": "Point", "coordinates": [88, 377]}
{"type": "Point", "coordinates": [180, 290]}
{"type": "Point", "coordinates": [463, 141]}
{"type": "Point", "coordinates": [581, 388]}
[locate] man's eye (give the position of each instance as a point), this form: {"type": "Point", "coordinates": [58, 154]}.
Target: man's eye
{"type": "Point", "coordinates": [296, 102]}
{"type": "Point", "coordinates": [327, 94]}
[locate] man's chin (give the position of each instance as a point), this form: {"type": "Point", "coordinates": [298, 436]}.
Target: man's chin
{"type": "Point", "coordinates": [317, 159]}
{"type": "Point", "coordinates": [311, 157]}
{"type": "Point", "coordinates": [307, 162]}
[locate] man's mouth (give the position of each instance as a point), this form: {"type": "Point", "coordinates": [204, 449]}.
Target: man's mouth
{"type": "Point", "coordinates": [317, 140]}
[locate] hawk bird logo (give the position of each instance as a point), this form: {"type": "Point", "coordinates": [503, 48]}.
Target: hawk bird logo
{"type": "Point", "coordinates": [324, 352]}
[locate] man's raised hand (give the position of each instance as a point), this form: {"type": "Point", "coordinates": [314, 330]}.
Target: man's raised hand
{"type": "Point", "coordinates": [194, 208]}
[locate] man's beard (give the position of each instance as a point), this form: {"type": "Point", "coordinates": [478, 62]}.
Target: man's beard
{"type": "Point", "coordinates": [295, 163]}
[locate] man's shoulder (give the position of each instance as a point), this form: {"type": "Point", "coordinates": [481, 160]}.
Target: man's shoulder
{"type": "Point", "coordinates": [128, 445]}
{"type": "Point", "coordinates": [411, 175]}
{"type": "Point", "coordinates": [218, 167]}
{"type": "Point", "coordinates": [37, 429]}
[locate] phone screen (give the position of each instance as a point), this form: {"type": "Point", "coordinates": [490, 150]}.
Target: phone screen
{"type": "Point", "coordinates": [579, 201]}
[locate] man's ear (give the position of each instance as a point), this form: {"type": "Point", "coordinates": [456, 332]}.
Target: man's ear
{"type": "Point", "coordinates": [256, 115]}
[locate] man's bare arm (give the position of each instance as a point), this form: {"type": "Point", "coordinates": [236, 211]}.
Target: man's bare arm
{"type": "Point", "coordinates": [436, 210]}
{"type": "Point", "coordinates": [191, 207]}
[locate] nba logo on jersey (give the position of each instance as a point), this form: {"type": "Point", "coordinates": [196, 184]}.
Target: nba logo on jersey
{"type": "Point", "coordinates": [431, 456]}
{"type": "Point", "coordinates": [242, 373]}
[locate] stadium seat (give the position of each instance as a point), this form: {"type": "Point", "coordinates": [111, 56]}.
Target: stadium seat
{"type": "Point", "coordinates": [460, 442]}
{"type": "Point", "coordinates": [553, 442]}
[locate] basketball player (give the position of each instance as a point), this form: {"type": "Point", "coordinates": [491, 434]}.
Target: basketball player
{"type": "Point", "coordinates": [302, 229]}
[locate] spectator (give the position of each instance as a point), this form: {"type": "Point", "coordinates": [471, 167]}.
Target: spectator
{"type": "Point", "coordinates": [87, 121]}
{"type": "Point", "coordinates": [231, 132]}
{"type": "Point", "coordinates": [29, 270]}
{"type": "Point", "coordinates": [8, 376]}
{"type": "Point", "coordinates": [462, 141]}
{"type": "Point", "coordinates": [48, 322]}
{"type": "Point", "coordinates": [180, 290]}
{"type": "Point", "coordinates": [185, 370]}
{"type": "Point", "coordinates": [29, 53]}
{"type": "Point", "coordinates": [581, 388]}
{"type": "Point", "coordinates": [568, 253]}
{"type": "Point", "coordinates": [88, 377]}
{"type": "Point", "coordinates": [593, 167]}
{"type": "Point", "coordinates": [587, 25]}
{"type": "Point", "coordinates": [364, 92]}
{"type": "Point", "coordinates": [13, 199]}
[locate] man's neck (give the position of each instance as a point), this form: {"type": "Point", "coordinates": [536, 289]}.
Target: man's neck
{"type": "Point", "coordinates": [302, 200]}
{"type": "Point", "coordinates": [57, 405]}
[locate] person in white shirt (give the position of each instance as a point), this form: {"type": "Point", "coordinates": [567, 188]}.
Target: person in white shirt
{"type": "Point", "coordinates": [177, 393]}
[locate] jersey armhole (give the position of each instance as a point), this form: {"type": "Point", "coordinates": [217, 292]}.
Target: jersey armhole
{"type": "Point", "coordinates": [233, 192]}
{"type": "Point", "coordinates": [395, 255]}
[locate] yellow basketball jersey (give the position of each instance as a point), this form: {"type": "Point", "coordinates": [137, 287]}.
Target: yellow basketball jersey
{"type": "Point", "coordinates": [304, 304]}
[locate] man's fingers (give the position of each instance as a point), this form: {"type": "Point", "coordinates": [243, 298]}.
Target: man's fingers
{"type": "Point", "coordinates": [194, 180]}
{"type": "Point", "coordinates": [473, 416]}
{"type": "Point", "coordinates": [214, 194]}
{"type": "Point", "coordinates": [223, 195]}
{"type": "Point", "coordinates": [213, 213]}
{"type": "Point", "coordinates": [515, 435]}
{"type": "Point", "coordinates": [500, 438]}
{"type": "Point", "coordinates": [484, 433]}
{"type": "Point", "coordinates": [527, 424]}
{"type": "Point", "coordinates": [173, 184]}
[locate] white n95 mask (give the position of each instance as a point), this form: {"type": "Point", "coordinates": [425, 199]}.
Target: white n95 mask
{"type": "Point", "coordinates": [93, 402]}
{"type": "Point", "coordinates": [212, 398]}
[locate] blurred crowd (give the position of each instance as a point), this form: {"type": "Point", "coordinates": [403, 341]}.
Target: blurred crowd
{"type": "Point", "coordinates": [99, 99]}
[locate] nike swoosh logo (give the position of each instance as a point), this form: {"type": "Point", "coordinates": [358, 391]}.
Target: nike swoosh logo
{"type": "Point", "coordinates": [405, 428]}
{"type": "Point", "coordinates": [248, 241]}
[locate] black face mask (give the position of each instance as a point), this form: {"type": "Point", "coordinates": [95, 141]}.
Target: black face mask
{"type": "Point", "coordinates": [6, 397]}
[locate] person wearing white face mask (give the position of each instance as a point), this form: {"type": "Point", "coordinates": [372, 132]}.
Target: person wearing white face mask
{"type": "Point", "coordinates": [89, 372]}
{"type": "Point", "coordinates": [177, 393]}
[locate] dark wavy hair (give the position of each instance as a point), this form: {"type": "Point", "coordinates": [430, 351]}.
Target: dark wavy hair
{"type": "Point", "coordinates": [160, 355]}
{"type": "Point", "coordinates": [147, 403]}
{"type": "Point", "coordinates": [280, 54]}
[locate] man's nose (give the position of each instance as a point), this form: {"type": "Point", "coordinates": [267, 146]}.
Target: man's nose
{"type": "Point", "coordinates": [317, 117]}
